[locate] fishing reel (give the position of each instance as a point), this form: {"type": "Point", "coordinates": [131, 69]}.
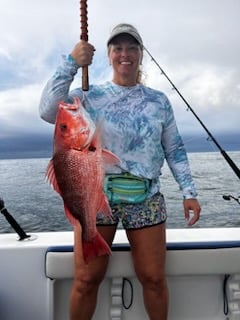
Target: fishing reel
{"type": "Point", "coordinates": [229, 197]}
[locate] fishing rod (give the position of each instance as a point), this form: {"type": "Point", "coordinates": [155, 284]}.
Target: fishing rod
{"type": "Point", "coordinates": [229, 197]}
{"type": "Point", "coordinates": [22, 234]}
{"type": "Point", "coordinates": [223, 152]}
{"type": "Point", "coordinates": [84, 36]}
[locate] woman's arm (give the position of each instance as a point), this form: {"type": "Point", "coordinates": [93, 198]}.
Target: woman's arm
{"type": "Point", "coordinates": [57, 88]}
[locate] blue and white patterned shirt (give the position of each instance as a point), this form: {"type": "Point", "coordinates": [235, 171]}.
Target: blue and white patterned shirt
{"type": "Point", "coordinates": [139, 125]}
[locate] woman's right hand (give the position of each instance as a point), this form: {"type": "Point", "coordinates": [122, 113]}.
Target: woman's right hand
{"type": "Point", "coordinates": [83, 53]}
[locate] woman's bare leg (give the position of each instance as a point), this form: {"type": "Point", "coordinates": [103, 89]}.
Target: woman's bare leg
{"type": "Point", "coordinates": [87, 277]}
{"type": "Point", "coordinates": [149, 254]}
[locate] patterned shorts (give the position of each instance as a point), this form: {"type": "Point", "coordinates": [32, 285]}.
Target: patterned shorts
{"type": "Point", "coordinates": [135, 216]}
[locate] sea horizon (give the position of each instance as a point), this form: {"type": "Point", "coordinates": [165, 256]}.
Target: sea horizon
{"type": "Point", "coordinates": [37, 207]}
{"type": "Point", "coordinates": [25, 147]}
{"type": "Point", "coordinates": [41, 154]}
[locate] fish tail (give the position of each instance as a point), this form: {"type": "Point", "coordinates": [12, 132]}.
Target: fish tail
{"type": "Point", "coordinates": [95, 248]}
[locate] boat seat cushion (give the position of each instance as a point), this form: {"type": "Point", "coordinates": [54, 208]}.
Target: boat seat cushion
{"type": "Point", "coordinates": [182, 259]}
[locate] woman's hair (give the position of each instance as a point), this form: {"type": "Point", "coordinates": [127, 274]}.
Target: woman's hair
{"type": "Point", "coordinates": [140, 75]}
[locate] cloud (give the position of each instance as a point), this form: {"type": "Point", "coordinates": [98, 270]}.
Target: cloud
{"type": "Point", "coordinates": [195, 42]}
{"type": "Point", "coordinates": [19, 111]}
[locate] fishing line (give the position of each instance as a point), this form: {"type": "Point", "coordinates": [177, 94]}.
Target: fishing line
{"type": "Point", "coordinates": [210, 136]}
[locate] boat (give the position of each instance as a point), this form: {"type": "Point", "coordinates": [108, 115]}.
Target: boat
{"type": "Point", "coordinates": [203, 273]}
{"type": "Point", "coordinates": [202, 266]}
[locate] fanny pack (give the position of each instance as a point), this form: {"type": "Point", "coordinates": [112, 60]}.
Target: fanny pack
{"type": "Point", "coordinates": [126, 188]}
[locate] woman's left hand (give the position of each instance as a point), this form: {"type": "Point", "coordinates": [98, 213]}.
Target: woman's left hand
{"type": "Point", "coordinates": [191, 205]}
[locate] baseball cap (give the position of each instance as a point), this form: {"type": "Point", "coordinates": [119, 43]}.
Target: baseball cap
{"type": "Point", "coordinates": [125, 28]}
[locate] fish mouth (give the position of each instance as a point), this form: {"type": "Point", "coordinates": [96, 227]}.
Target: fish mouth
{"type": "Point", "coordinates": [71, 107]}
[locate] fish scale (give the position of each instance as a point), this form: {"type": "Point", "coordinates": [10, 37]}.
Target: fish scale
{"type": "Point", "coordinates": [76, 172]}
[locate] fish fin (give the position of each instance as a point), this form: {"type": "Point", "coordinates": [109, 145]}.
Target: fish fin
{"type": "Point", "coordinates": [104, 206]}
{"type": "Point", "coordinates": [51, 178]}
{"type": "Point", "coordinates": [96, 139]}
{"type": "Point", "coordinates": [69, 216]}
{"type": "Point", "coordinates": [95, 248]}
{"type": "Point", "coordinates": [109, 157]}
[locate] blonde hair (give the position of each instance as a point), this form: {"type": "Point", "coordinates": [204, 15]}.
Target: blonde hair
{"type": "Point", "coordinates": [140, 75]}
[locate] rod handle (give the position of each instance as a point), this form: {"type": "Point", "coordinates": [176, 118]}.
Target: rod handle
{"type": "Point", "coordinates": [85, 83]}
{"type": "Point", "coordinates": [84, 36]}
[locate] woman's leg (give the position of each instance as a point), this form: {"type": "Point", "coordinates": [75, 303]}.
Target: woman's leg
{"type": "Point", "coordinates": [87, 278]}
{"type": "Point", "coordinates": [148, 247]}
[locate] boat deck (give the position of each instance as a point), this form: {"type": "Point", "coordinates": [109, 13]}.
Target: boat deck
{"type": "Point", "coordinates": [203, 270]}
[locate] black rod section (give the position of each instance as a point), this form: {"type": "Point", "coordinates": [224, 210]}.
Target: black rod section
{"type": "Point", "coordinates": [224, 153]}
{"type": "Point", "coordinates": [13, 222]}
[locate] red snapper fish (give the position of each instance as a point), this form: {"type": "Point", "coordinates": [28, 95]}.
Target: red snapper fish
{"type": "Point", "coordinates": [76, 171]}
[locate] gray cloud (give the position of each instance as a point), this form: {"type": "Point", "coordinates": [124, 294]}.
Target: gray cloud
{"type": "Point", "coordinates": [195, 42]}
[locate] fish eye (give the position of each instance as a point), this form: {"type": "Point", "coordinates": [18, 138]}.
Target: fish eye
{"type": "Point", "coordinates": [91, 148]}
{"type": "Point", "coordinates": [63, 126]}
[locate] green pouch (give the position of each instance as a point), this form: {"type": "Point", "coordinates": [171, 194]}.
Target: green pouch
{"type": "Point", "coordinates": [126, 188]}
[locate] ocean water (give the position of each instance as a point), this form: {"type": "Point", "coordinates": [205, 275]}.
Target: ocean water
{"type": "Point", "coordinates": [37, 207]}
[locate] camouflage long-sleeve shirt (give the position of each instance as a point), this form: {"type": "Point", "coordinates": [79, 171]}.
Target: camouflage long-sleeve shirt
{"type": "Point", "coordinates": [138, 125]}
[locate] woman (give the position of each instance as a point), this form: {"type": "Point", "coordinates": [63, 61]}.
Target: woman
{"type": "Point", "coordinates": [139, 127]}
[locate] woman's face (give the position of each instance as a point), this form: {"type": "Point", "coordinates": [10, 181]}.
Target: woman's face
{"type": "Point", "coordinates": [125, 56]}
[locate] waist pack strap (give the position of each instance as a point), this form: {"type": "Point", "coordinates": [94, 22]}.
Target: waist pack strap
{"type": "Point", "coordinates": [126, 188]}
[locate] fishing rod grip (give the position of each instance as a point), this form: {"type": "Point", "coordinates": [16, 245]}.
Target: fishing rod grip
{"type": "Point", "coordinates": [85, 82]}
{"type": "Point", "coordinates": [84, 36]}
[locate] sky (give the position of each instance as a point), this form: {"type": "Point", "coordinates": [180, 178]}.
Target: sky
{"type": "Point", "coordinates": [196, 43]}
